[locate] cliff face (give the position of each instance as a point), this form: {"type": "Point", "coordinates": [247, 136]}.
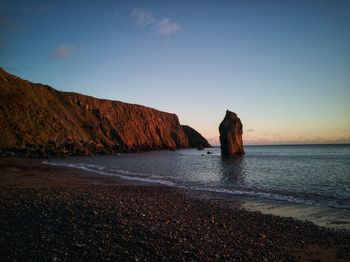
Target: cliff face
{"type": "Point", "coordinates": [231, 130]}
{"type": "Point", "coordinates": [195, 139]}
{"type": "Point", "coordinates": [37, 121]}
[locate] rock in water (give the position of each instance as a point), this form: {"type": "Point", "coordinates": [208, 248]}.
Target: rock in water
{"type": "Point", "coordinates": [231, 130]}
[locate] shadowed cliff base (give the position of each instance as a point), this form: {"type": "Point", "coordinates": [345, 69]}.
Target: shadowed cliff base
{"type": "Point", "coordinates": [38, 121]}
{"type": "Point", "coordinates": [195, 139]}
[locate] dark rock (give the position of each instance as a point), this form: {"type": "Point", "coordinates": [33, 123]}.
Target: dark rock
{"type": "Point", "coordinates": [195, 139]}
{"type": "Point", "coordinates": [200, 147]}
{"type": "Point", "coordinates": [236, 255]}
{"type": "Point", "coordinates": [209, 153]}
{"type": "Point", "coordinates": [231, 130]}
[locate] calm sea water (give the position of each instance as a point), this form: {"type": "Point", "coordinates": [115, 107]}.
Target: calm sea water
{"type": "Point", "coordinates": [296, 176]}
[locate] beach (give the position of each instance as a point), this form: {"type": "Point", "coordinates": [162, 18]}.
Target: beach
{"type": "Point", "coordinates": [62, 214]}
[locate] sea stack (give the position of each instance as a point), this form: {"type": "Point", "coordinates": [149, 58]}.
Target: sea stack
{"type": "Point", "coordinates": [231, 130]}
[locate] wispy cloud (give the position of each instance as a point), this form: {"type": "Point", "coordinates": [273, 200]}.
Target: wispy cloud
{"type": "Point", "coordinates": [166, 27]}
{"type": "Point", "coordinates": [250, 130]}
{"type": "Point", "coordinates": [62, 51]}
{"type": "Point", "coordinates": [163, 26]}
{"type": "Point", "coordinates": [143, 18]}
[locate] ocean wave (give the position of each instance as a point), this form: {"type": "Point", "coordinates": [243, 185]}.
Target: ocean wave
{"type": "Point", "coordinates": [154, 179]}
{"type": "Point", "coordinates": [272, 196]}
{"type": "Point", "coordinates": [127, 175]}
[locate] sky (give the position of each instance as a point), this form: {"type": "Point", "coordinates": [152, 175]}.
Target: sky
{"type": "Point", "coordinates": [282, 66]}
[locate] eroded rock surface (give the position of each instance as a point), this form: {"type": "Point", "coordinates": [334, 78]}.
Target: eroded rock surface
{"type": "Point", "coordinates": [38, 121]}
{"type": "Point", "coordinates": [231, 130]}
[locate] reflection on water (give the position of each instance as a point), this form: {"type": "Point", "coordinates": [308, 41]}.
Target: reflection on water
{"type": "Point", "coordinates": [231, 169]}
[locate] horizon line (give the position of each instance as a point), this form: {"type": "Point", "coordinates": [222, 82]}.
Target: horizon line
{"type": "Point", "coordinates": [300, 144]}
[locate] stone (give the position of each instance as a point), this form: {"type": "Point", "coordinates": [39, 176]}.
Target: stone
{"type": "Point", "coordinates": [200, 147]}
{"type": "Point", "coordinates": [195, 139]}
{"type": "Point", "coordinates": [231, 130]}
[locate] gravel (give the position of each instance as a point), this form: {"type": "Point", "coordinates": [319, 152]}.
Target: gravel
{"type": "Point", "coordinates": [151, 223]}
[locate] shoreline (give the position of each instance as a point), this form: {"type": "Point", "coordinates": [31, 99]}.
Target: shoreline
{"type": "Point", "coordinates": [333, 217]}
{"type": "Point", "coordinates": [68, 214]}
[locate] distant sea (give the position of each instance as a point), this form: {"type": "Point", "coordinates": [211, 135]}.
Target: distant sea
{"type": "Point", "coordinates": [309, 182]}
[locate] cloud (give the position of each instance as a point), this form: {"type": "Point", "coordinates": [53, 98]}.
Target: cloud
{"type": "Point", "coordinates": [163, 26]}
{"type": "Point", "coordinates": [63, 51]}
{"type": "Point", "coordinates": [166, 27]}
{"type": "Point", "coordinates": [143, 18]}
{"type": "Point", "coordinates": [250, 130]}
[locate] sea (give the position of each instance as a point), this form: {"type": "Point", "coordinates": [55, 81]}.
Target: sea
{"type": "Point", "coordinates": [306, 182]}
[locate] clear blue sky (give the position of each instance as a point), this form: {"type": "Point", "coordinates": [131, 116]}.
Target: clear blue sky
{"type": "Point", "coordinates": [282, 66]}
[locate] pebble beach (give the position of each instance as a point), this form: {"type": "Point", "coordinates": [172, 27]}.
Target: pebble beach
{"type": "Point", "coordinates": [58, 214]}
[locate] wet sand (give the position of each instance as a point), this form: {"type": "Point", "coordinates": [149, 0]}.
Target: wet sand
{"type": "Point", "coordinates": [55, 213]}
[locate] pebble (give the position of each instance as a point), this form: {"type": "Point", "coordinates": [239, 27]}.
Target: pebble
{"type": "Point", "coordinates": [132, 223]}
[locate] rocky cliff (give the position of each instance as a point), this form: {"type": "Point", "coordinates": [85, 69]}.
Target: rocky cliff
{"type": "Point", "coordinates": [231, 130]}
{"type": "Point", "coordinates": [195, 139]}
{"type": "Point", "coordinates": [38, 121]}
